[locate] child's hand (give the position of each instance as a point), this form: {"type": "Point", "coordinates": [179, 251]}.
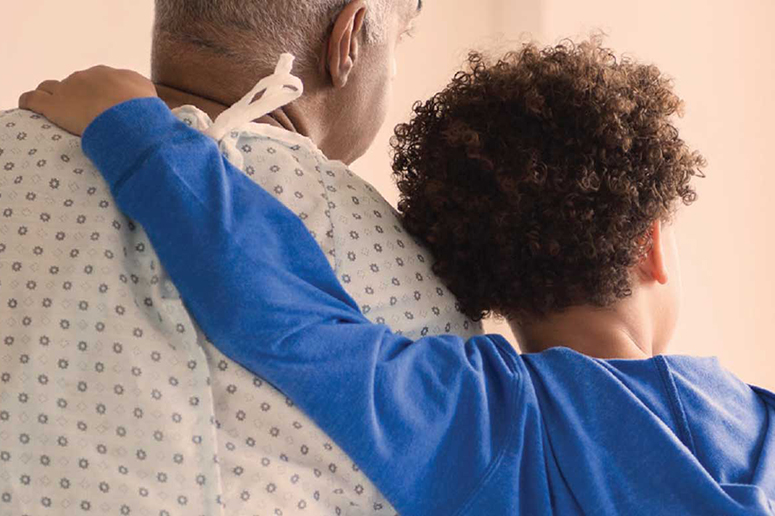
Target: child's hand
{"type": "Point", "coordinates": [74, 103]}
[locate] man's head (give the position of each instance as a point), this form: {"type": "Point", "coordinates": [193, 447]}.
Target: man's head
{"type": "Point", "coordinates": [345, 52]}
{"type": "Point", "coordinates": [547, 181]}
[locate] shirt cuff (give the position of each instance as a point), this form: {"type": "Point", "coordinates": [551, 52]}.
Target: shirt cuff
{"type": "Point", "coordinates": [119, 139]}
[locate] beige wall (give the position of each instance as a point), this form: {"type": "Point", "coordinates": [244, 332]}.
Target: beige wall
{"type": "Point", "coordinates": [47, 39]}
{"type": "Point", "coordinates": [721, 56]}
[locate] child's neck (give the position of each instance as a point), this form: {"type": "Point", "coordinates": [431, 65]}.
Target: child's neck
{"type": "Point", "coordinates": [612, 333]}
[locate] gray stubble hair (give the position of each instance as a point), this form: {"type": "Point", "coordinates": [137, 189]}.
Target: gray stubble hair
{"type": "Point", "coordinates": [256, 32]}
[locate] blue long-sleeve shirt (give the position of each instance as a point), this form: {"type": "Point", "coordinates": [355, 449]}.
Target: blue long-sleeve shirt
{"type": "Point", "coordinates": [441, 425]}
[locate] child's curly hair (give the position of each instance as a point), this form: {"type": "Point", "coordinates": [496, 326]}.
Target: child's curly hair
{"type": "Point", "coordinates": [534, 180]}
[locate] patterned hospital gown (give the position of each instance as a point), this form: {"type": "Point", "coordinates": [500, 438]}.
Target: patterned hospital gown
{"type": "Point", "coordinates": [111, 400]}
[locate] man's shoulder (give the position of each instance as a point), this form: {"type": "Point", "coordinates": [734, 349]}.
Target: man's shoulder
{"type": "Point", "coordinates": [12, 120]}
{"type": "Point", "coordinates": [275, 153]}
{"type": "Point", "coordinates": [37, 154]}
{"type": "Point", "coordinates": [22, 129]}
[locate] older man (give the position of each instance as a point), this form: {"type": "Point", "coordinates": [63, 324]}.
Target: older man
{"type": "Point", "coordinates": [111, 400]}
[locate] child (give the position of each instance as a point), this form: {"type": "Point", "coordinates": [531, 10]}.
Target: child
{"type": "Point", "coordinates": [545, 185]}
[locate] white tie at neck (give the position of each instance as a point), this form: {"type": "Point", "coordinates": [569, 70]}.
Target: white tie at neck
{"type": "Point", "coordinates": [279, 90]}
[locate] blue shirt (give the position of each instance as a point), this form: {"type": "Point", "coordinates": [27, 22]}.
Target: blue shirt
{"type": "Point", "coordinates": [442, 426]}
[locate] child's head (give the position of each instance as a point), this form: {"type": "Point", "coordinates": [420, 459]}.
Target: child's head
{"type": "Point", "coordinates": [543, 182]}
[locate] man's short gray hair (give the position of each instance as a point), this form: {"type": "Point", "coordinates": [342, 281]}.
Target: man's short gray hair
{"type": "Point", "coordinates": [256, 32]}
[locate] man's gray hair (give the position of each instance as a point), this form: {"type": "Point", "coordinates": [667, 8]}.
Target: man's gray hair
{"type": "Point", "coordinates": [256, 32]}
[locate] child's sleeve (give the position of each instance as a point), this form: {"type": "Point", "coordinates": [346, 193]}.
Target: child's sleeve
{"type": "Point", "coordinates": [427, 421]}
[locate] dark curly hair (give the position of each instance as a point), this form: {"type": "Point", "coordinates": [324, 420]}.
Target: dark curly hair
{"type": "Point", "coordinates": [534, 180]}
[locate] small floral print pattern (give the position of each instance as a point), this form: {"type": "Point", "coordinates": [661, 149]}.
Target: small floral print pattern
{"type": "Point", "coordinates": [111, 400]}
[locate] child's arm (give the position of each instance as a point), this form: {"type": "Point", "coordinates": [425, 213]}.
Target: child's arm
{"type": "Point", "coordinates": [425, 420]}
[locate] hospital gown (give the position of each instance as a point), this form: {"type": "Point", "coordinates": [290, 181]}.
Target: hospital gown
{"type": "Point", "coordinates": [111, 400]}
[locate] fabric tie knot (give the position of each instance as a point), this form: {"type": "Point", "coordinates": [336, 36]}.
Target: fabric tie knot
{"type": "Point", "coordinates": [279, 90]}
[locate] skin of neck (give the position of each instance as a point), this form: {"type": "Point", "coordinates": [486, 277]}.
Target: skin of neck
{"type": "Point", "coordinates": [636, 327]}
{"type": "Point", "coordinates": [319, 114]}
{"type": "Point", "coordinates": [626, 330]}
{"type": "Point", "coordinates": [204, 86]}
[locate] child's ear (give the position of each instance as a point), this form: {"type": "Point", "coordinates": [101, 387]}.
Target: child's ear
{"type": "Point", "coordinates": [653, 265]}
{"type": "Point", "coordinates": [341, 49]}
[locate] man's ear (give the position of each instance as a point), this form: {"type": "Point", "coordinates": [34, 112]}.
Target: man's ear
{"type": "Point", "coordinates": [344, 42]}
{"type": "Point", "coordinates": [653, 265]}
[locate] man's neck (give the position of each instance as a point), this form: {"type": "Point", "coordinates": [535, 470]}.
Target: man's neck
{"type": "Point", "coordinates": [175, 98]}
{"type": "Point", "coordinates": [213, 85]}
